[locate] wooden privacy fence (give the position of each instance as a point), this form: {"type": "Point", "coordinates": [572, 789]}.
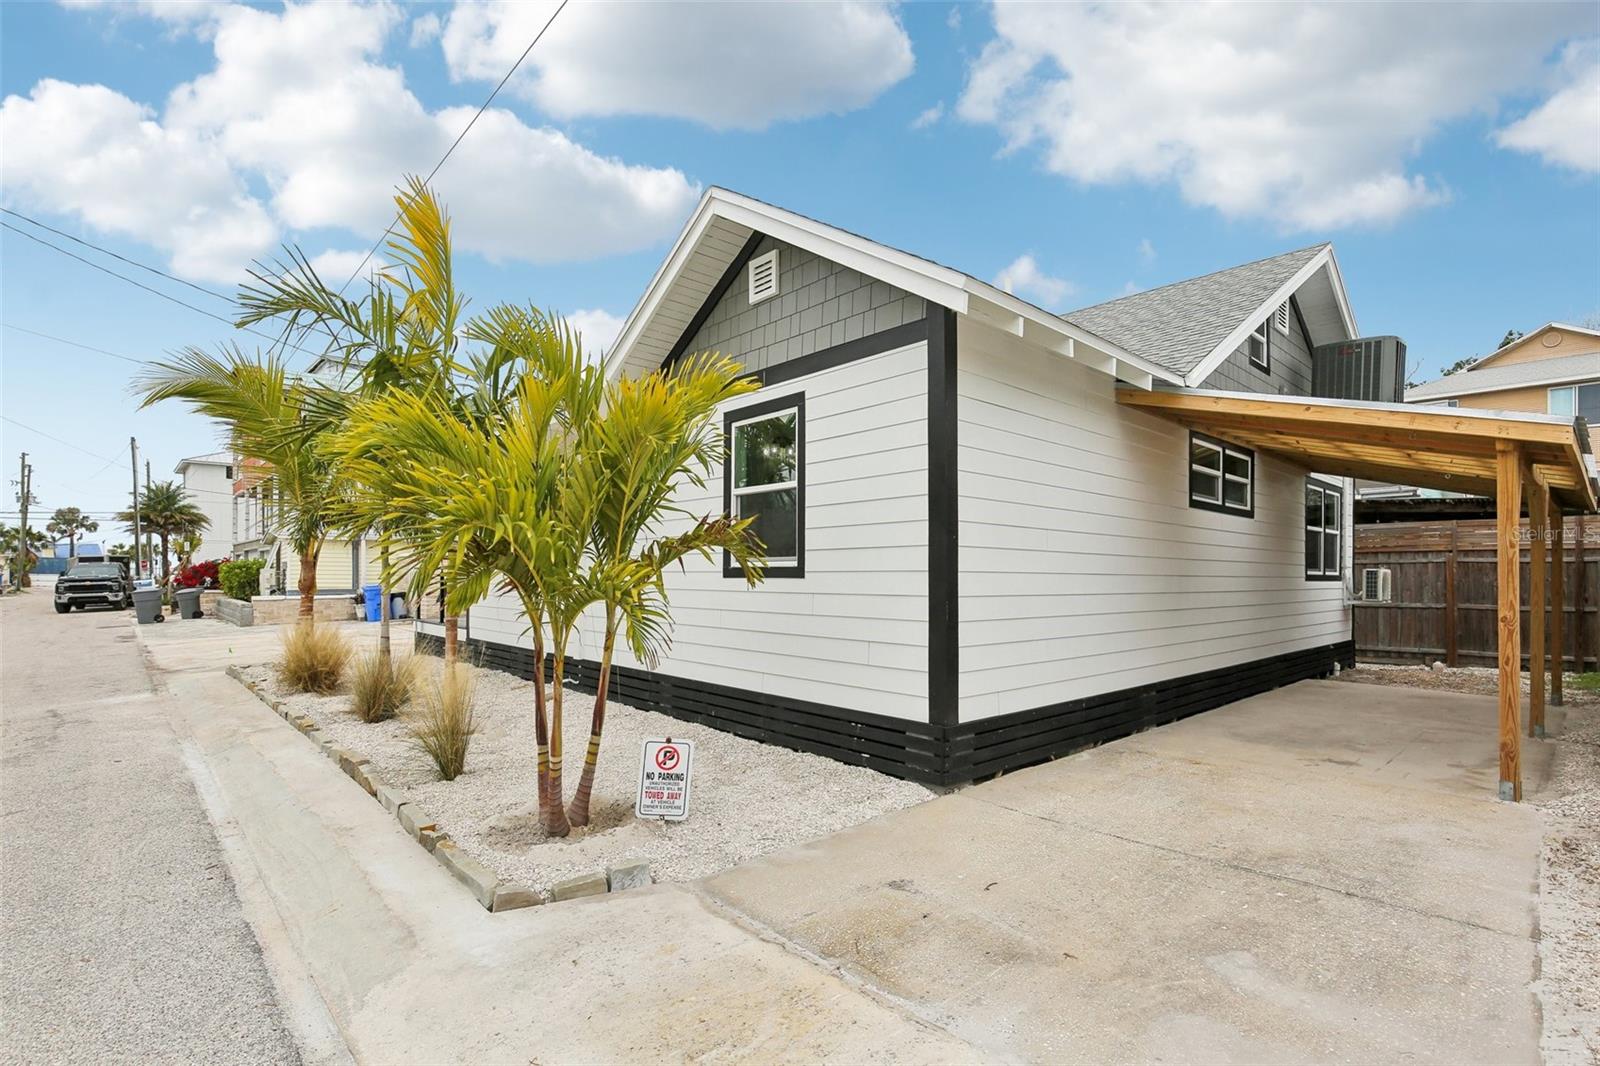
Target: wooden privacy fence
{"type": "Point", "coordinates": [1444, 598]}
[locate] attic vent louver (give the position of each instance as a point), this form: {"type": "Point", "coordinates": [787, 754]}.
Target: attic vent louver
{"type": "Point", "coordinates": [764, 276]}
{"type": "Point", "coordinates": [1281, 317]}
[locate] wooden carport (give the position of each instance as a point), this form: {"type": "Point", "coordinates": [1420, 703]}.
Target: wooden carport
{"type": "Point", "coordinates": [1510, 457]}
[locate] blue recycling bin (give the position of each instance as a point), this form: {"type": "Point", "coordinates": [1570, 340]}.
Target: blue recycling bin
{"type": "Point", "coordinates": [374, 597]}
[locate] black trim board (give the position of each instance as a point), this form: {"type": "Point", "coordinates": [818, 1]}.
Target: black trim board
{"type": "Point", "coordinates": [944, 639]}
{"type": "Point", "coordinates": [927, 752]}
{"type": "Point", "coordinates": [827, 358]}
{"type": "Point", "coordinates": [718, 290]}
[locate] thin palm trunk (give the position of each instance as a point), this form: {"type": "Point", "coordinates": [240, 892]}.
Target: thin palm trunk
{"type": "Point", "coordinates": [383, 608]}
{"type": "Point", "coordinates": [451, 627]}
{"type": "Point", "coordinates": [308, 581]}
{"type": "Point", "coordinates": [555, 815]}
{"type": "Point", "coordinates": [578, 813]}
{"type": "Point", "coordinates": [541, 723]}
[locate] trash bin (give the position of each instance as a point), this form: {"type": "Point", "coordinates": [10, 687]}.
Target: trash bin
{"type": "Point", "coordinates": [188, 602]}
{"type": "Point", "coordinates": [147, 605]}
{"type": "Point", "coordinates": [374, 597]}
{"type": "Point", "coordinates": [397, 605]}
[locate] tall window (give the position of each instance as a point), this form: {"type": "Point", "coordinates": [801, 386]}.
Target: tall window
{"type": "Point", "coordinates": [1259, 348]}
{"type": "Point", "coordinates": [765, 481]}
{"type": "Point", "coordinates": [1324, 530]}
{"type": "Point", "coordinates": [1581, 400]}
{"type": "Point", "coordinates": [1221, 476]}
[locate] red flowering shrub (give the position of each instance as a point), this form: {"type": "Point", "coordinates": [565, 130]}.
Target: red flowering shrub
{"type": "Point", "coordinates": [202, 575]}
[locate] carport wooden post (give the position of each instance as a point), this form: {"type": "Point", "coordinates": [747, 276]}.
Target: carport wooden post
{"type": "Point", "coordinates": [1508, 556]}
{"type": "Point", "coordinates": [1558, 607]}
{"type": "Point", "coordinates": [1538, 530]}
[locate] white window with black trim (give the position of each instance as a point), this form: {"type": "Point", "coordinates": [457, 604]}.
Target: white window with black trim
{"type": "Point", "coordinates": [1222, 476]}
{"type": "Point", "coordinates": [1258, 346]}
{"type": "Point", "coordinates": [1324, 530]}
{"type": "Point", "coordinates": [764, 480]}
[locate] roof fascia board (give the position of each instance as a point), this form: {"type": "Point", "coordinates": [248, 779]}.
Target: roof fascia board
{"type": "Point", "coordinates": [1520, 341]}
{"type": "Point", "coordinates": [1562, 379]}
{"type": "Point", "coordinates": [1203, 370]}
{"type": "Point", "coordinates": [656, 290]}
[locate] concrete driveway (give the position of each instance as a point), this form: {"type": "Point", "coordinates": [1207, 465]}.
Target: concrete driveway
{"type": "Point", "coordinates": [1321, 873]}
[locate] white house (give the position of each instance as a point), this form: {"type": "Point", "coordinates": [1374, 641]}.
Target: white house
{"type": "Point", "coordinates": [209, 481]}
{"type": "Point", "coordinates": [1000, 534]}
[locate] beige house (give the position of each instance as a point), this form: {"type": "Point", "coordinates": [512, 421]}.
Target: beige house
{"type": "Point", "coordinates": [1553, 370]}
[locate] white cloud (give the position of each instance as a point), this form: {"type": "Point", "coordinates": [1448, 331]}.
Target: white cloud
{"type": "Point", "coordinates": [1302, 114]}
{"type": "Point", "coordinates": [190, 14]}
{"type": "Point", "coordinates": [299, 104]}
{"type": "Point", "coordinates": [87, 151]}
{"type": "Point", "coordinates": [598, 330]}
{"type": "Point", "coordinates": [928, 117]}
{"type": "Point", "coordinates": [1147, 251]}
{"type": "Point", "coordinates": [336, 265]}
{"type": "Point", "coordinates": [1565, 129]}
{"type": "Point", "coordinates": [425, 28]}
{"type": "Point", "coordinates": [1024, 278]}
{"type": "Point", "coordinates": [729, 66]}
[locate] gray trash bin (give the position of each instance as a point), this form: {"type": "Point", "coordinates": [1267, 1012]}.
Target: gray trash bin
{"type": "Point", "coordinates": [188, 602]}
{"type": "Point", "coordinates": [147, 605]}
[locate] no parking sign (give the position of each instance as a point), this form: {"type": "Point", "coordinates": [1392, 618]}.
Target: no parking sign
{"type": "Point", "coordinates": [664, 769]}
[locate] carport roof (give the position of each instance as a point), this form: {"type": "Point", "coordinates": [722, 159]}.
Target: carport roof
{"type": "Point", "coordinates": [1450, 448]}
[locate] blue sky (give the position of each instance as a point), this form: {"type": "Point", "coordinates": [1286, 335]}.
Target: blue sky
{"type": "Point", "coordinates": [1451, 154]}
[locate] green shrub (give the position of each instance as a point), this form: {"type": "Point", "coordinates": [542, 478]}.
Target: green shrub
{"type": "Point", "coordinates": [241, 579]}
{"type": "Point", "coordinates": [443, 725]}
{"type": "Point", "coordinates": [314, 658]}
{"type": "Point", "coordinates": [380, 685]}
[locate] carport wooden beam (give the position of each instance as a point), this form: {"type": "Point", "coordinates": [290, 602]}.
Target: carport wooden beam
{"type": "Point", "coordinates": [1508, 557]}
{"type": "Point", "coordinates": [1538, 531]}
{"type": "Point", "coordinates": [1558, 607]}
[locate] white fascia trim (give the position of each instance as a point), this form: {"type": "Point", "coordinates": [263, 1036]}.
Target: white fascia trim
{"type": "Point", "coordinates": [1062, 336]}
{"type": "Point", "coordinates": [656, 290]}
{"type": "Point", "coordinates": [1576, 378]}
{"type": "Point", "coordinates": [1529, 336]}
{"type": "Point", "coordinates": [1198, 375]}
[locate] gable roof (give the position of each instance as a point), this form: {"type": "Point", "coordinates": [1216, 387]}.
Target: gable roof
{"type": "Point", "coordinates": [213, 458]}
{"type": "Point", "coordinates": [722, 224]}
{"type": "Point", "coordinates": [1190, 326]}
{"type": "Point", "coordinates": [1526, 338]}
{"type": "Point", "coordinates": [1584, 366]}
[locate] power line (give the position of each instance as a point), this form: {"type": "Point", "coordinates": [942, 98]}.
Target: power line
{"type": "Point", "coordinates": [115, 255]}
{"type": "Point", "coordinates": [459, 137]}
{"type": "Point", "coordinates": [139, 284]}
{"type": "Point", "coordinates": [58, 440]}
{"type": "Point", "coordinates": [75, 344]}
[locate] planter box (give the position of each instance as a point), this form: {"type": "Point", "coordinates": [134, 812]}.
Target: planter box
{"type": "Point", "coordinates": [236, 612]}
{"type": "Point", "coordinates": [278, 610]}
{"type": "Point", "coordinates": [208, 602]}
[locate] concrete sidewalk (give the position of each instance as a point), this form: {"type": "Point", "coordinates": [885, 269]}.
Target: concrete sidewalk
{"type": "Point", "coordinates": [352, 913]}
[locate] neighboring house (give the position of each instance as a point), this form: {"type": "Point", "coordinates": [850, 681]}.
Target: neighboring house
{"type": "Point", "coordinates": [1553, 370]}
{"type": "Point", "coordinates": [342, 566]}
{"type": "Point", "coordinates": [209, 481]}
{"type": "Point", "coordinates": [999, 534]}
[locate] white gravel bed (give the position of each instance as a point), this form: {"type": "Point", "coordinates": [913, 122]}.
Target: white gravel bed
{"type": "Point", "coordinates": [747, 799]}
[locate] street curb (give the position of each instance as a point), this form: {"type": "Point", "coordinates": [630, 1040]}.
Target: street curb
{"type": "Point", "coordinates": [492, 893]}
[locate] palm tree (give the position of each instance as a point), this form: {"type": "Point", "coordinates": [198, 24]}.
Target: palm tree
{"type": "Point", "coordinates": [186, 546]}
{"type": "Point", "coordinates": [12, 539]}
{"type": "Point", "coordinates": [167, 511]}
{"type": "Point", "coordinates": [403, 334]}
{"type": "Point", "coordinates": [654, 434]}
{"type": "Point", "coordinates": [264, 411]}
{"type": "Point", "coordinates": [69, 522]}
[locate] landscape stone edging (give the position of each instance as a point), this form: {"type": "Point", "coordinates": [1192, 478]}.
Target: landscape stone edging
{"type": "Point", "coordinates": [494, 894]}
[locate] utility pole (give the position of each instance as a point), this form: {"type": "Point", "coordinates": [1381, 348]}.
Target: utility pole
{"type": "Point", "coordinates": [149, 539]}
{"type": "Point", "coordinates": [22, 531]}
{"type": "Point", "coordinates": [133, 461]}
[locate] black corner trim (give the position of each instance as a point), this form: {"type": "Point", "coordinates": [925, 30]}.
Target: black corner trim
{"type": "Point", "coordinates": [796, 400]}
{"type": "Point", "coordinates": [944, 638]}
{"type": "Point", "coordinates": [718, 290]}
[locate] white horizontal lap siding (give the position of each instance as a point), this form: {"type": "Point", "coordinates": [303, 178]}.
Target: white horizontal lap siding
{"type": "Point", "coordinates": [1083, 569]}
{"type": "Point", "coordinates": [853, 633]}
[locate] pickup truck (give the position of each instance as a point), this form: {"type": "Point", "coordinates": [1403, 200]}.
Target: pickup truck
{"type": "Point", "coordinates": [106, 584]}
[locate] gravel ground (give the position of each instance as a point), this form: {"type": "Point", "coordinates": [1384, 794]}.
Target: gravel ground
{"type": "Point", "coordinates": [747, 799]}
{"type": "Point", "coordinates": [1569, 881]}
{"type": "Point", "coordinates": [121, 937]}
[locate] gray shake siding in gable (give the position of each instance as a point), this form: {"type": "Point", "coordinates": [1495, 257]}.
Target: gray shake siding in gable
{"type": "Point", "coordinates": [819, 304]}
{"type": "Point", "coordinates": [1291, 366]}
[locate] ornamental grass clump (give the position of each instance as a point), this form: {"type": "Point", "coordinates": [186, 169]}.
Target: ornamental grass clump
{"type": "Point", "coordinates": [380, 685]}
{"type": "Point", "coordinates": [315, 658]}
{"type": "Point", "coordinates": [441, 723]}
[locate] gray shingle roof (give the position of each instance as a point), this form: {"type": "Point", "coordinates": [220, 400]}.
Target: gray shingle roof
{"type": "Point", "coordinates": [1178, 325]}
{"type": "Point", "coordinates": [1509, 376]}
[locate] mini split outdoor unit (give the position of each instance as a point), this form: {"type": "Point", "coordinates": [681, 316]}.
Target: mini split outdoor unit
{"type": "Point", "coordinates": [1368, 368]}
{"type": "Point", "coordinates": [1377, 584]}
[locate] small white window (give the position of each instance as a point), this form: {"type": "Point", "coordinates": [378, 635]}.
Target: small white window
{"type": "Point", "coordinates": [1221, 476]}
{"type": "Point", "coordinates": [766, 481]}
{"type": "Point", "coordinates": [1324, 530]}
{"type": "Point", "coordinates": [1259, 348]}
{"type": "Point", "coordinates": [1562, 400]}
{"type": "Point", "coordinates": [764, 276]}
{"type": "Point", "coordinates": [1281, 319]}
